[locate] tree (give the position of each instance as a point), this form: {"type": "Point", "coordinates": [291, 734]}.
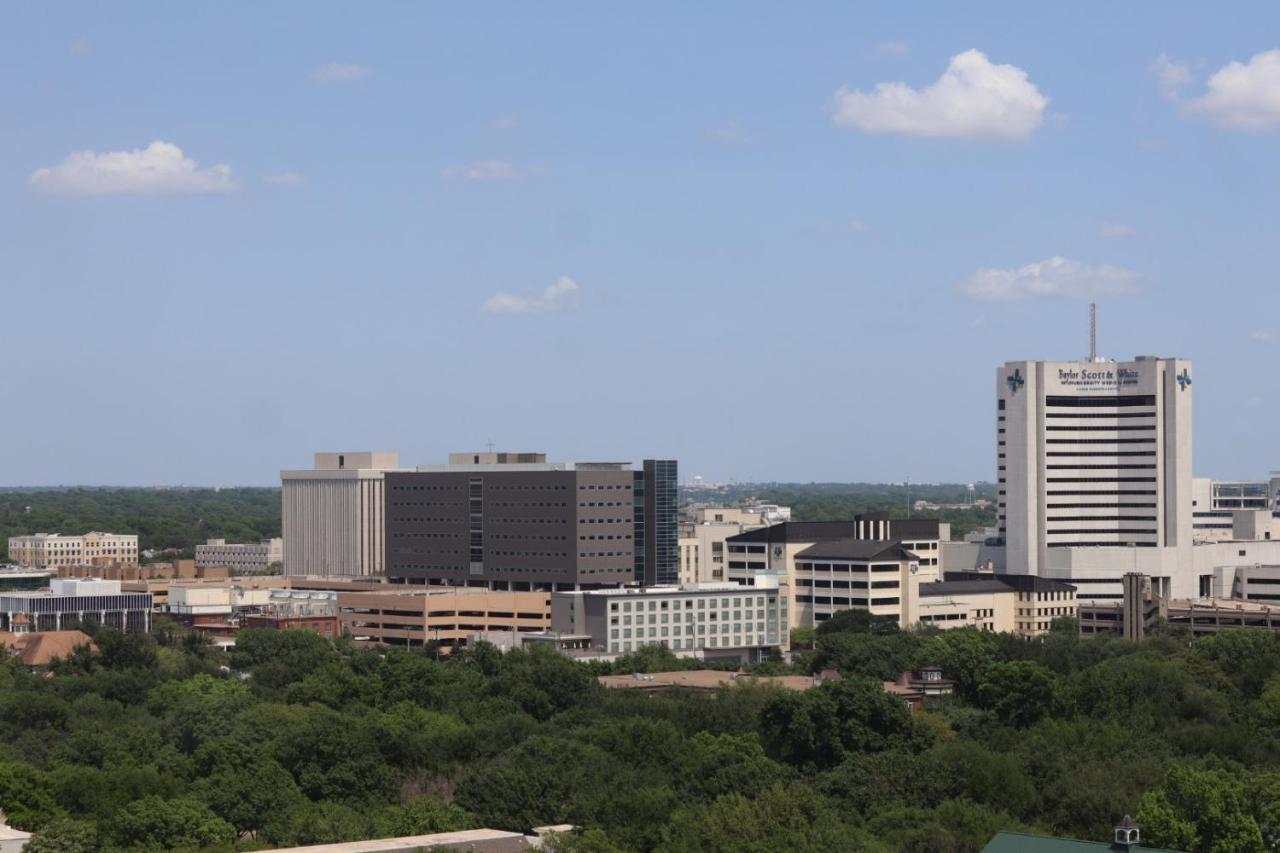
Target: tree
{"type": "Point", "coordinates": [820, 727]}
{"type": "Point", "coordinates": [25, 797]}
{"type": "Point", "coordinates": [65, 835]}
{"type": "Point", "coordinates": [1018, 693]}
{"type": "Point", "coordinates": [153, 823]}
{"type": "Point", "coordinates": [1199, 810]}
{"type": "Point", "coordinates": [858, 621]}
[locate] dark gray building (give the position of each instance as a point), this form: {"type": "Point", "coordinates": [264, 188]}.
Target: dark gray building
{"type": "Point", "coordinates": [657, 556]}
{"type": "Point", "coordinates": [503, 522]}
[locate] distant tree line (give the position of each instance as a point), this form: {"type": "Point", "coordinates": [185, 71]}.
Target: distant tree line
{"type": "Point", "coordinates": [162, 518]}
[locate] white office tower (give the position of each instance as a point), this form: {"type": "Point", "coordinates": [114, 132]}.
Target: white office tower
{"type": "Point", "coordinates": [333, 515]}
{"type": "Point", "coordinates": [1094, 472]}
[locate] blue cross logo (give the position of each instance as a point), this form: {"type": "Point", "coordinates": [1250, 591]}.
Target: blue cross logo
{"type": "Point", "coordinates": [1184, 379]}
{"type": "Point", "coordinates": [1016, 381]}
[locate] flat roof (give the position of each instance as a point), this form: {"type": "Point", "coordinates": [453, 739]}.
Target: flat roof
{"type": "Point", "coordinates": [472, 839]}
{"type": "Point", "coordinates": [798, 531]}
{"type": "Point", "coordinates": [969, 587]}
{"type": "Point", "coordinates": [856, 549]}
{"type": "Point", "coordinates": [703, 679]}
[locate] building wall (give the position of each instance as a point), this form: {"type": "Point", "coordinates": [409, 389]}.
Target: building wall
{"type": "Point", "coordinates": [333, 520]}
{"type": "Point", "coordinates": [710, 619]}
{"type": "Point", "coordinates": [825, 587]}
{"type": "Point", "coordinates": [1094, 455]}
{"type": "Point", "coordinates": [44, 550]}
{"type": "Point", "coordinates": [248, 557]}
{"type": "Point", "coordinates": [444, 616]}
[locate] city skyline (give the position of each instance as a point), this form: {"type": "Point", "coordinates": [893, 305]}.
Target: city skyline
{"type": "Point", "coordinates": [612, 233]}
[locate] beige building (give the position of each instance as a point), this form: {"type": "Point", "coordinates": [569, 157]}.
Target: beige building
{"type": "Point", "coordinates": [46, 550]}
{"type": "Point", "coordinates": [415, 616]}
{"type": "Point", "coordinates": [246, 558]}
{"type": "Point", "coordinates": [1095, 457]}
{"type": "Point", "coordinates": [334, 515]}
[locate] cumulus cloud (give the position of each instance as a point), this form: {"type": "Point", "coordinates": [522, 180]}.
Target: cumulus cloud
{"type": "Point", "coordinates": [1055, 277]}
{"type": "Point", "coordinates": [1116, 231]}
{"type": "Point", "coordinates": [483, 170]}
{"type": "Point", "coordinates": [1243, 96]}
{"type": "Point", "coordinates": [973, 99]}
{"type": "Point", "coordinates": [1170, 76]}
{"type": "Point", "coordinates": [1264, 336]}
{"type": "Point", "coordinates": [558, 297]}
{"type": "Point", "coordinates": [338, 72]}
{"type": "Point", "coordinates": [159, 169]}
{"type": "Point", "coordinates": [284, 179]}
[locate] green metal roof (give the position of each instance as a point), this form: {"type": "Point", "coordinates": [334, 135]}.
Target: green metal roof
{"type": "Point", "coordinates": [1022, 842]}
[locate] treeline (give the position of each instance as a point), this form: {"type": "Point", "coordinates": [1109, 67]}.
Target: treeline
{"type": "Point", "coordinates": [163, 743]}
{"type": "Point", "coordinates": [162, 518]}
{"type": "Point", "coordinates": [842, 501]}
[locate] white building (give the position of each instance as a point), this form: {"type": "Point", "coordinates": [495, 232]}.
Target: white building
{"type": "Point", "coordinates": [245, 559]}
{"type": "Point", "coordinates": [333, 515]}
{"type": "Point", "coordinates": [712, 620]}
{"type": "Point", "coordinates": [70, 601]}
{"type": "Point", "coordinates": [49, 550]}
{"type": "Point", "coordinates": [1094, 472]}
{"type": "Point", "coordinates": [1213, 503]}
{"type": "Point", "coordinates": [221, 600]}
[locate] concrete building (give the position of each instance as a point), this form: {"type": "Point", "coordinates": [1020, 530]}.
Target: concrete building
{"type": "Point", "coordinates": [1214, 503]}
{"type": "Point", "coordinates": [504, 522]}
{"type": "Point", "coordinates": [447, 616]}
{"type": "Point", "coordinates": [189, 601]}
{"type": "Point", "coordinates": [69, 601]}
{"type": "Point", "coordinates": [776, 548]}
{"type": "Point", "coordinates": [723, 620]}
{"type": "Point", "coordinates": [333, 515]}
{"type": "Point", "coordinates": [1094, 471]}
{"type": "Point", "coordinates": [242, 559]}
{"type": "Point", "coordinates": [50, 550]}
{"type": "Point", "coordinates": [15, 578]}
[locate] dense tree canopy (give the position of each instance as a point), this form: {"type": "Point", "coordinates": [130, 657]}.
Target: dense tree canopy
{"type": "Point", "coordinates": [163, 742]}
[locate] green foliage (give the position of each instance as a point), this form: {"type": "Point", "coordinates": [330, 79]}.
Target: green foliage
{"type": "Point", "coordinates": [183, 823]}
{"type": "Point", "coordinates": [858, 621]}
{"type": "Point", "coordinates": [150, 744]}
{"type": "Point", "coordinates": [163, 519]}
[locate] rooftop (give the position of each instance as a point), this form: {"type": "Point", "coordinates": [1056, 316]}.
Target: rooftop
{"type": "Point", "coordinates": [1025, 842]}
{"type": "Point", "coordinates": [496, 840]}
{"type": "Point", "coordinates": [704, 679]}
{"type": "Point", "coordinates": [41, 648]}
{"type": "Point", "coordinates": [856, 549]}
{"type": "Point", "coordinates": [798, 531]}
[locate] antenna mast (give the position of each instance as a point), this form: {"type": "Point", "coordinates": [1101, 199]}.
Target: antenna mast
{"type": "Point", "coordinates": [1093, 331]}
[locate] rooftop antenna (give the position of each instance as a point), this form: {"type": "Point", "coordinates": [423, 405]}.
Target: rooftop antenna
{"type": "Point", "coordinates": [1093, 331]}
{"type": "Point", "coordinates": [489, 444]}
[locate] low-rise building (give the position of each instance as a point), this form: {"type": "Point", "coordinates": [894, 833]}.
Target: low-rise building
{"type": "Point", "coordinates": [446, 616]}
{"type": "Point", "coordinates": [717, 620]}
{"type": "Point", "coordinates": [46, 550]}
{"type": "Point", "coordinates": [242, 559]}
{"type": "Point", "coordinates": [39, 649]}
{"type": "Point", "coordinates": [71, 601]}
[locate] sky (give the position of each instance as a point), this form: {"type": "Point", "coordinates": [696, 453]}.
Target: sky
{"type": "Point", "coordinates": [774, 242]}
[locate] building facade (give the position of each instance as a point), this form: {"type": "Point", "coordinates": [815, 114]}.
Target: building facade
{"type": "Point", "coordinates": [445, 617]}
{"type": "Point", "coordinates": [246, 559]}
{"type": "Point", "coordinates": [713, 620]}
{"type": "Point", "coordinates": [1096, 456]}
{"type": "Point", "coordinates": [530, 525]}
{"type": "Point", "coordinates": [333, 515]}
{"type": "Point", "coordinates": [50, 550]}
{"type": "Point", "coordinates": [70, 601]}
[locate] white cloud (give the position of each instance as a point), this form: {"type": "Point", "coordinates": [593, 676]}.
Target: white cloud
{"type": "Point", "coordinates": [558, 297]}
{"type": "Point", "coordinates": [159, 169]}
{"type": "Point", "coordinates": [1263, 336]}
{"type": "Point", "coordinates": [337, 72]}
{"type": "Point", "coordinates": [895, 47]}
{"type": "Point", "coordinates": [1243, 96]}
{"type": "Point", "coordinates": [1116, 231]}
{"type": "Point", "coordinates": [483, 170]}
{"type": "Point", "coordinates": [1055, 277]}
{"type": "Point", "coordinates": [1171, 76]}
{"type": "Point", "coordinates": [973, 99]}
{"type": "Point", "coordinates": [284, 179]}
{"type": "Point", "coordinates": [857, 226]}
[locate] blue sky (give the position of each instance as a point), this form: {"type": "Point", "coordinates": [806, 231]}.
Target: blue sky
{"type": "Point", "coordinates": [688, 230]}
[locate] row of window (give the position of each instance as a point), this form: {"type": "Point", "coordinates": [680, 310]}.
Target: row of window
{"type": "Point", "coordinates": [688, 603]}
